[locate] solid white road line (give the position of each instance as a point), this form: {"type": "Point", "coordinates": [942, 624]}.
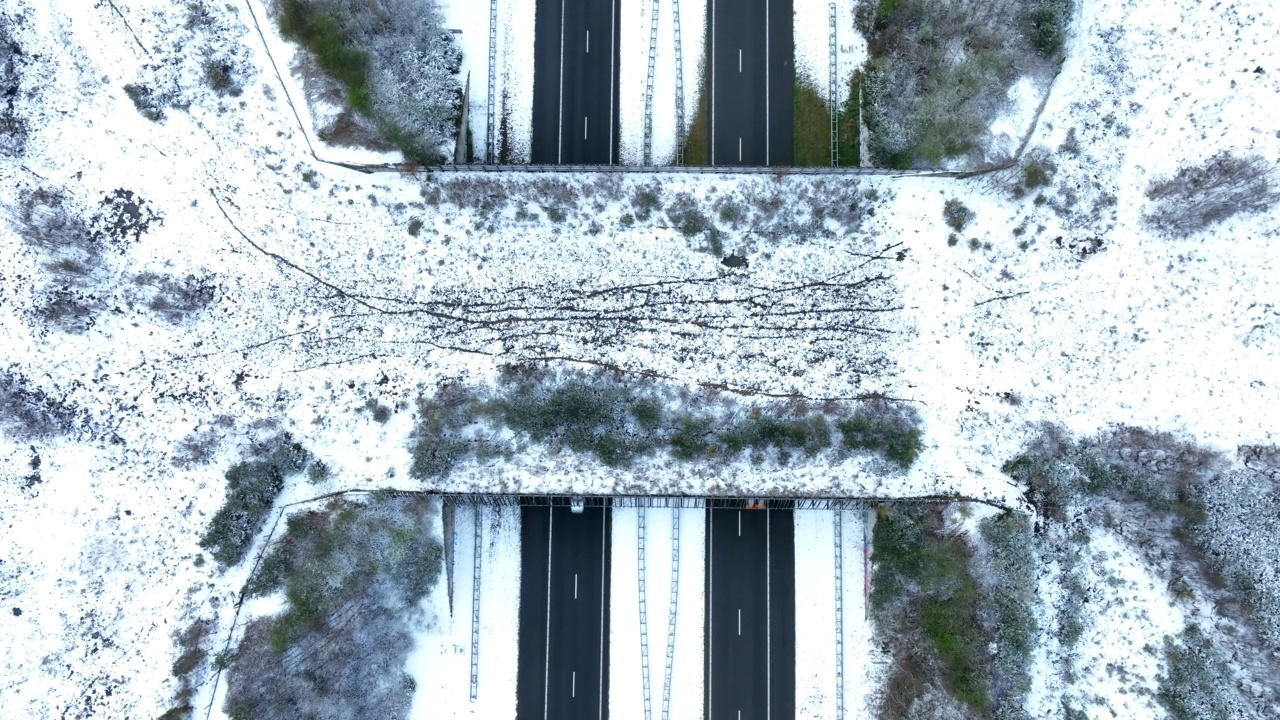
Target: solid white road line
{"type": "Point", "coordinates": [711, 594]}
{"type": "Point", "coordinates": [546, 668]}
{"type": "Point", "coordinates": [604, 544]}
{"type": "Point", "coordinates": [560, 111]}
{"type": "Point", "coordinates": [613, 44]}
{"type": "Point", "coordinates": [768, 619]}
{"type": "Point", "coordinates": [766, 82]}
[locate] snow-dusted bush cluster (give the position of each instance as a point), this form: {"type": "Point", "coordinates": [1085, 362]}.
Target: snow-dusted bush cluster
{"type": "Point", "coordinates": [199, 55]}
{"type": "Point", "coordinates": [620, 420]}
{"type": "Point", "coordinates": [353, 576]}
{"type": "Point", "coordinates": [940, 71]}
{"type": "Point", "coordinates": [1193, 686]}
{"type": "Point", "coordinates": [1224, 519]}
{"type": "Point", "coordinates": [957, 615]}
{"type": "Point", "coordinates": [396, 62]}
{"type": "Point", "coordinates": [29, 413]}
{"type": "Point", "coordinates": [252, 488]}
{"type": "Point", "coordinates": [1200, 196]}
{"type": "Point", "coordinates": [14, 128]}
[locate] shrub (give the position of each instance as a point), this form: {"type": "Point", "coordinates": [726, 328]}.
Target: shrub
{"type": "Point", "coordinates": [29, 413]}
{"type": "Point", "coordinates": [646, 200]}
{"type": "Point", "coordinates": [353, 576]}
{"type": "Point", "coordinates": [149, 103]}
{"type": "Point", "coordinates": [1045, 23]}
{"type": "Point", "coordinates": [891, 430]}
{"type": "Point", "coordinates": [1193, 686]}
{"type": "Point", "coordinates": [252, 488]}
{"type": "Point", "coordinates": [14, 128]}
{"type": "Point", "coordinates": [957, 215]}
{"type": "Point", "coordinates": [687, 216]}
{"type": "Point", "coordinates": [1201, 196]}
{"type": "Point", "coordinates": [924, 598]}
{"type": "Point", "coordinates": [394, 59]}
{"type": "Point", "coordinates": [177, 299]}
{"type": "Point", "coordinates": [415, 226]}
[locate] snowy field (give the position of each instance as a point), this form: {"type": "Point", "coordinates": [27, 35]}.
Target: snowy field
{"type": "Point", "coordinates": [100, 563]}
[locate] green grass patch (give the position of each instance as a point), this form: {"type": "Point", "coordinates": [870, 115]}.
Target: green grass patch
{"type": "Point", "coordinates": [924, 596]}
{"type": "Point", "coordinates": [849, 125]}
{"type": "Point", "coordinates": [811, 127]}
{"type": "Point", "coordinates": [697, 143]}
{"type": "Point", "coordinates": [324, 36]}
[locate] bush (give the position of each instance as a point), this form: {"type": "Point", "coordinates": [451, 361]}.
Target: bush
{"type": "Point", "coordinates": [957, 215]}
{"type": "Point", "coordinates": [924, 598]}
{"type": "Point", "coordinates": [395, 60]}
{"type": "Point", "coordinates": [29, 413]}
{"type": "Point", "coordinates": [646, 200]}
{"type": "Point", "coordinates": [176, 299]}
{"type": "Point", "coordinates": [940, 72]}
{"type": "Point", "coordinates": [353, 576]}
{"type": "Point", "coordinates": [149, 103]}
{"type": "Point", "coordinates": [1195, 685]}
{"type": "Point", "coordinates": [252, 488]}
{"type": "Point", "coordinates": [888, 429]}
{"type": "Point", "coordinates": [1205, 195]}
{"type": "Point", "coordinates": [618, 421]}
{"type": "Point", "coordinates": [687, 216]}
{"type": "Point", "coordinates": [14, 129]}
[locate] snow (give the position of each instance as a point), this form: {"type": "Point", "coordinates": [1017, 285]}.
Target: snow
{"type": "Point", "coordinates": [1120, 656]}
{"type": "Point", "coordinates": [441, 661]}
{"type": "Point", "coordinates": [1008, 130]}
{"type": "Point", "coordinates": [626, 679]}
{"type": "Point", "coordinates": [812, 46]}
{"type": "Point", "coordinates": [1165, 333]}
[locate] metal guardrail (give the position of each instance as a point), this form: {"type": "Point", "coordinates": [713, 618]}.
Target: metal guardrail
{"type": "Point", "coordinates": [675, 20]}
{"type": "Point", "coordinates": [671, 614]}
{"type": "Point", "coordinates": [839, 538]}
{"type": "Point", "coordinates": [475, 605]}
{"type": "Point", "coordinates": [644, 612]}
{"type": "Point", "coordinates": [832, 96]}
{"type": "Point", "coordinates": [661, 169]}
{"type": "Point", "coordinates": [696, 501]}
{"type": "Point", "coordinates": [648, 82]}
{"type": "Point", "coordinates": [490, 144]}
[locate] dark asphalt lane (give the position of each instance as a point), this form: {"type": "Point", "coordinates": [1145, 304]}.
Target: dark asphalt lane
{"type": "Point", "coordinates": [752, 61]}
{"type": "Point", "coordinates": [575, 82]}
{"type": "Point", "coordinates": [750, 605]}
{"type": "Point", "coordinates": [564, 646]}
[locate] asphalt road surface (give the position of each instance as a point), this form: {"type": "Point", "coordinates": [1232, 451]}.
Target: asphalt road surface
{"type": "Point", "coordinates": [575, 82]}
{"type": "Point", "coordinates": [750, 672]}
{"type": "Point", "coordinates": [752, 61]}
{"type": "Point", "coordinates": [564, 614]}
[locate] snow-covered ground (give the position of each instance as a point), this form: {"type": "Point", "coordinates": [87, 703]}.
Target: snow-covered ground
{"type": "Point", "coordinates": [100, 556]}
{"type": "Point", "coordinates": [441, 662]}
{"type": "Point", "coordinates": [626, 678]}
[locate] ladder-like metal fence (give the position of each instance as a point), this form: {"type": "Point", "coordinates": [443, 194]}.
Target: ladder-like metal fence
{"type": "Point", "coordinates": [832, 90]}
{"type": "Point", "coordinates": [475, 604]}
{"type": "Point", "coordinates": [648, 82]}
{"type": "Point", "coordinates": [675, 24]}
{"type": "Point", "coordinates": [671, 614]}
{"type": "Point", "coordinates": [491, 111]}
{"type": "Point", "coordinates": [644, 612]}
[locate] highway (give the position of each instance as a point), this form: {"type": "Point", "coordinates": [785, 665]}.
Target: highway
{"type": "Point", "coordinates": [750, 627]}
{"type": "Point", "coordinates": [751, 57]}
{"type": "Point", "coordinates": [563, 671]}
{"type": "Point", "coordinates": [575, 82]}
